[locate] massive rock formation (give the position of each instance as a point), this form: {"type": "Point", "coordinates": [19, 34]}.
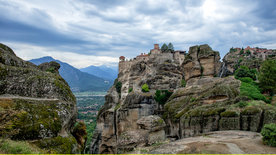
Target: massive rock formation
{"type": "Point", "coordinates": [201, 61]}
{"type": "Point", "coordinates": [131, 119]}
{"type": "Point", "coordinates": [36, 104]}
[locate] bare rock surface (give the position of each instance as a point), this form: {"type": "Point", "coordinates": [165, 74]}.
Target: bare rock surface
{"type": "Point", "coordinates": [219, 142]}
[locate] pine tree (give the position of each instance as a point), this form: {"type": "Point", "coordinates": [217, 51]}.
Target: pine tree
{"type": "Point", "coordinates": [170, 47]}
{"type": "Point", "coordinates": [164, 48]}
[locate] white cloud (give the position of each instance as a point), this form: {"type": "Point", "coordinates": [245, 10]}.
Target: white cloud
{"type": "Point", "coordinates": [27, 52]}
{"type": "Point", "coordinates": [131, 27]}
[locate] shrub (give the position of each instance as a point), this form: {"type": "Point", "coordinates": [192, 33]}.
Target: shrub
{"type": "Point", "coordinates": [183, 83]}
{"type": "Point", "coordinates": [242, 104]}
{"type": "Point", "coordinates": [201, 70]}
{"type": "Point", "coordinates": [58, 145]}
{"type": "Point", "coordinates": [251, 91]}
{"type": "Point", "coordinates": [232, 50]}
{"type": "Point", "coordinates": [241, 52]}
{"type": "Point", "coordinates": [248, 52]}
{"type": "Point", "coordinates": [244, 71]}
{"type": "Point", "coordinates": [161, 96]}
{"type": "Point", "coordinates": [269, 134]}
{"type": "Point", "coordinates": [145, 88]}
{"type": "Point", "coordinates": [118, 87]}
{"type": "Point", "coordinates": [51, 69]}
{"type": "Point", "coordinates": [130, 90]}
{"type": "Point", "coordinates": [246, 79]}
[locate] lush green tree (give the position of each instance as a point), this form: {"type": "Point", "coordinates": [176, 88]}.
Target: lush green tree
{"type": "Point", "coordinates": [161, 96]}
{"type": "Point", "coordinates": [267, 76]}
{"type": "Point", "coordinates": [242, 52]}
{"type": "Point", "coordinates": [244, 71]}
{"type": "Point", "coordinates": [248, 52]}
{"type": "Point", "coordinates": [269, 134]}
{"type": "Point", "coordinates": [170, 47]}
{"type": "Point", "coordinates": [232, 49]}
{"type": "Point", "coordinates": [145, 88]}
{"type": "Point", "coordinates": [118, 86]}
{"type": "Point", "coordinates": [164, 48]}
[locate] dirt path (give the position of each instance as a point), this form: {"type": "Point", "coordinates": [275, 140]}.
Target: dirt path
{"type": "Point", "coordinates": [7, 96]}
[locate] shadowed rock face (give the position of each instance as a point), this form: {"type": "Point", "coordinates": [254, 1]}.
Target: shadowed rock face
{"type": "Point", "coordinates": [35, 102]}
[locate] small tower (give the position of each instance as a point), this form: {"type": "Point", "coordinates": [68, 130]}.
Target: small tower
{"type": "Point", "coordinates": [122, 58]}
{"type": "Point", "coordinates": [155, 50]}
{"type": "Point", "coordinates": [156, 46]}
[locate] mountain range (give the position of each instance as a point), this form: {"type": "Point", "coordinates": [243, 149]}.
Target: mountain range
{"type": "Point", "coordinates": [101, 71]}
{"type": "Point", "coordinates": [78, 80]}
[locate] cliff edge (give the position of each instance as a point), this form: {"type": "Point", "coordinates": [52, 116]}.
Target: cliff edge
{"type": "Point", "coordinates": [36, 104]}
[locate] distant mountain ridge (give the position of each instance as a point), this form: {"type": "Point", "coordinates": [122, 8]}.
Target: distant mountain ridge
{"type": "Point", "coordinates": [78, 81]}
{"type": "Point", "coordinates": [101, 71]}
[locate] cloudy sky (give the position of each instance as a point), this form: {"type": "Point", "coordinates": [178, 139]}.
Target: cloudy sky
{"type": "Point", "coordinates": [96, 32]}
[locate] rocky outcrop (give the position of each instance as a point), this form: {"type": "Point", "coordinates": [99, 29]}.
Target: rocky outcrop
{"type": "Point", "coordinates": [125, 126]}
{"type": "Point", "coordinates": [213, 105]}
{"type": "Point", "coordinates": [131, 119]}
{"type": "Point", "coordinates": [36, 103]}
{"type": "Point", "coordinates": [158, 71]}
{"type": "Point", "coordinates": [201, 61]}
{"type": "Point", "coordinates": [250, 57]}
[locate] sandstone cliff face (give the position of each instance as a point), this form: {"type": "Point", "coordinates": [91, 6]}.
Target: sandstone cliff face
{"type": "Point", "coordinates": [35, 102]}
{"type": "Point", "coordinates": [159, 71]}
{"type": "Point", "coordinates": [207, 103]}
{"type": "Point", "coordinates": [212, 105]}
{"type": "Point", "coordinates": [130, 119]}
{"type": "Point", "coordinates": [201, 61]}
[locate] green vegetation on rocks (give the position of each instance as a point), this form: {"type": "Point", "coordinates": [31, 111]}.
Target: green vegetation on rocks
{"type": "Point", "coordinates": [251, 110]}
{"type": "Point", "coordinates": [251, 91]}
{"type": "Point", "coordinates": [29, 118]}
{"type": "Point", "coordinates": [268, 76]}
{"type": "Point", "coordinates": [229, 113]}
{"type": "Point", "coordinates": [59, 145]}
{"type": "Point", "coordinates": [145, 88]}
{"type": "Point", "coordinates": [183, 83]}
{"type": "Point", "coordinates": [269, 134]}
{"type": "Point", "coordinates": [8, 146]}
{"type": "Point", "coordinates": [161, 96]}
{"type": "Point", "coordinates": [244, 71]}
